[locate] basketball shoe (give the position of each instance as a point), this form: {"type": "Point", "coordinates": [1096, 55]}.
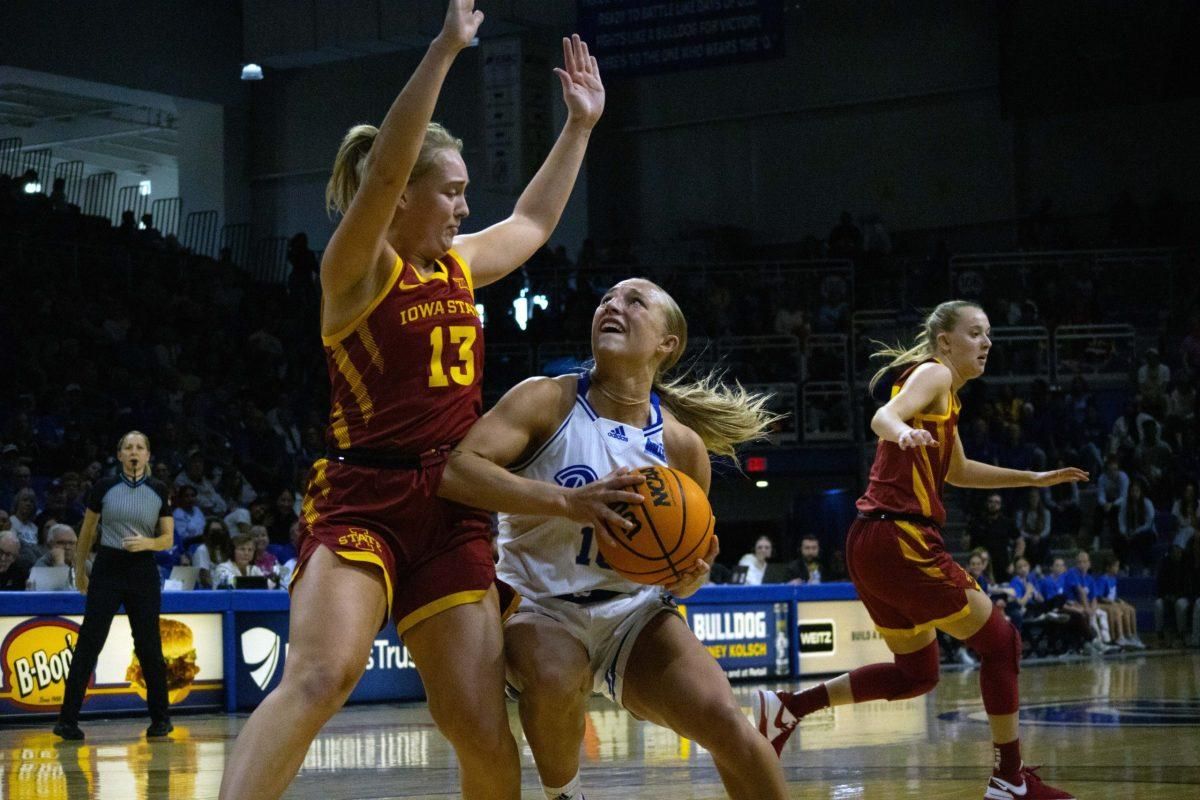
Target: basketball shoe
{"type": "Point", "coordinates": [773, 718]}
{"type": "Point", "coordinates": [1030, 787]}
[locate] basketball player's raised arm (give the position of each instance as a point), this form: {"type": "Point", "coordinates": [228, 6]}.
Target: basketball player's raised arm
{"type": "Point", "coordinates": [357, 243]}
{"type": "Point", "coordinates": [475, 474]}
{"type": "Point", "coordinates": [969, 474]}
{"type": "Point", "coordinates": [496, 251]}
{"type": "Point", "coordinates": [924, 387]}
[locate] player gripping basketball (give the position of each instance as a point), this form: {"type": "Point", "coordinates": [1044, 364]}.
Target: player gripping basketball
{"type": "Point", "coordinates": [404, 349]}
{"type": "Point", "coordinates": [896, 558]}
{"type": "Point", "coordinates": [581, 626]}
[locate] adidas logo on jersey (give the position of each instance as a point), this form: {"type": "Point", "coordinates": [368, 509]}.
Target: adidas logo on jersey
{"type": "Point", "coordinates": [618, 433]}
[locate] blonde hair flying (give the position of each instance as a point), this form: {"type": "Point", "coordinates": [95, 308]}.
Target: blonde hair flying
{"type": "Point", "coordinates": [724, 416]}
{"type": "Point", "coordinates": [941, 320]}
{"type": "Point", "coordinates": [350, 162]}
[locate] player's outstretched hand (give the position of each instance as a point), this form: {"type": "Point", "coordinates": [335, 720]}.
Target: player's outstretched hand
{"type": "Point", "coordinates": [1066, 475]}
{"type": "Point", "coordinates": [690, 581]}
{"type": "Point", "coordinates": [582, 90]}
{"type": "Point", "coordinates": [916, 437]}
{"type": "Point", "coordinates": [591, 503]}
{"type": "Point", "coordinates": [461, 24]}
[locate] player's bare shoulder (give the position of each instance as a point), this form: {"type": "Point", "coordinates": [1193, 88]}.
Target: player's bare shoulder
{"type": "Point", "coordinates": [686, 450]}
{"type": "Point", "coordinates": [933, 374]}
{"type": "Point", "coordinates": [542, 402]}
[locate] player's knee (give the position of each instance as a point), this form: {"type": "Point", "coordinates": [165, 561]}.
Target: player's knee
{"type": "Point", "coordinates": [921, 671]}
{"type": "Point", "coordinates": [549, 684]}
{"type": "Point", "coordinates": [998, 641]}
{"type": "Point", "coordinates": [327, 679]}
{"type": "Point", "coordinates": [479, 729]}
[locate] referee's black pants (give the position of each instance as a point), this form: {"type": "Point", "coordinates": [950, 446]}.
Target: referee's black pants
{"type": "Point", "coordinates": [120, 578]}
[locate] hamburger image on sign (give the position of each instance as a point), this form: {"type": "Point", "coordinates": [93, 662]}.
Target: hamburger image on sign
{"type": "Point", "coordinates": [179, 654]}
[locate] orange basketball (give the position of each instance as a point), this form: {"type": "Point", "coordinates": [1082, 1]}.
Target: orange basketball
{"type": "Point", "coordinates": [672, 528]}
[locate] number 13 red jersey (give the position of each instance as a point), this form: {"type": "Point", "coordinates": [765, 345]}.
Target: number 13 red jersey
{"type": "Point", "coordinates": [405, 375]}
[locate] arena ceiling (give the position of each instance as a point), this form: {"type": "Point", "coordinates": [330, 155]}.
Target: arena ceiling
{"type": "Point", "coordinates": [105, 127]}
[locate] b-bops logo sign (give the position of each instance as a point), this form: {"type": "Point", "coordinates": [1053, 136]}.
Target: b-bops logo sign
{"type": "Point", "coordinates": [260, 652]}
{"type": "Point", "coordinates": [36, 658]}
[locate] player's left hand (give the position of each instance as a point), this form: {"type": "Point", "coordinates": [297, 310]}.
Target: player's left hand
{"type": "Point", "coordinates": [580, 76]}
{"type": "Point", "coordinates": [1058, 476]}
{"type": "Point", "coordinates": [690, 581]}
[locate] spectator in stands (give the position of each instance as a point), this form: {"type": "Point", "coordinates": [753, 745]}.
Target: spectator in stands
{"type": "Point", "coordinates": [1189, 347]}
{"type": "Point", "coordinates": [1053, 589]}
{"type": "Point", "coordinates": [1185, 510]}
{"type": "Point", "coordinates": [1122, 617]}
{"type": "Point", "coordinates": [194, 475]}
{"type": "Point", "coordinates": [55, 507]}
{"type": "Point", "coordinates": [1027, 600]}
{"type": "Point", "coordinates": [995, 532]}
{"type": "Point", "coordinates": [1181, 407]}
{"type": "Point", "coordinates": [1152, 456]}
{"type": "Point", "coordinates": [217, 548]}
{"type": "Point", "coordinates": [1173, 600]}
{"type": "Point", "coordinates": [1080, 585]}
{"type": "Point", "coordinates": [1111, 491]}
{"type": "Point", "coordinates": [1126, 429]}
{"type": "Point", "coordinates": [977, 444]}
{"type": "Point", "coordinates": [60, 550]}
{"type": "Point", "coordinates": [1033, 523]}
{"type": "Point", "coordinates": [240, 565]}
{"type": "Point", "coordinates": [5, 524]}
{"type": "Point", "coordinates": [21, 519]}
{"type": "Point", "coordinates": [189, 519]}
{"type": "Point", "coordinates": [264, 559]}
{"type": "Point", "coordinates": [14, 571]}
{"type": "Point", "coordinates": [1017, 452]}
{"type": "Point", "coordinates": [1135, 527]}
{"type": "Point", "coordinates": [1153, 379]}
{"type": "Point", "coordinates": [73, 495]}
{"type": "Point", "coordinates": [806, 568]}
{"type": "Point", "coordinates": [1063, 502]}
{"type": "Point", "coordinates": [288, 568]}
{"type": "Point", "coordinates": [282, 517]}
{"type": "Point", "coordinates": [234, 489]}
{"type": "Point", "coordinates": [756, 562]}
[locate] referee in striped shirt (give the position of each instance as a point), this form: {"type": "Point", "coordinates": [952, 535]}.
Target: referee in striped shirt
{"type": "Point", "coordinates": [133, 514]}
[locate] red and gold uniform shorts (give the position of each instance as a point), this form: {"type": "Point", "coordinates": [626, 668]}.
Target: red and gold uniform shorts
{"type": "Point", "coordinates": [905, 577]}
{"type": "Point", "coordinates": [434, 554]}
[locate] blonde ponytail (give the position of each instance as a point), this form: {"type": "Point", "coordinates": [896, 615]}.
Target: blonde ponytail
{"type": "Point", "coordinates": [724, 416]}
{"type": "Point", "coordinates": [941, 320]}
{"type": "Point", "coordinates": [349, 165]}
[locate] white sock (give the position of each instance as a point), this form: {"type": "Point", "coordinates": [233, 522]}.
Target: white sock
{"type": "Point", "coordinates": [571, 791]}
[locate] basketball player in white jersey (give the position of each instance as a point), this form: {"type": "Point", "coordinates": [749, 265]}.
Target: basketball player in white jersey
{"type": "Point", "coordinates": [537, 458]}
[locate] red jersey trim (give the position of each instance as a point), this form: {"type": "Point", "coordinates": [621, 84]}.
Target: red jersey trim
{"type": "Point", "coordinates": [340, 334]}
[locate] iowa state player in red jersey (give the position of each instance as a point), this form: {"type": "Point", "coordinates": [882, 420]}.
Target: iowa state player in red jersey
{"type": "Point", "coordinates": [897, 560]}
{"type": "Point", "coordinates": [405, 352]}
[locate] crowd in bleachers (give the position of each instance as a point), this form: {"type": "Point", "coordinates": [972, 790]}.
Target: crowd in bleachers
{"type": "Point", "coordinates": [111, 328]}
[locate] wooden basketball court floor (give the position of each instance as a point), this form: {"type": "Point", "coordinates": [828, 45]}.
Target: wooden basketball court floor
{"type": "Point", "coordinates": [1126, 728]}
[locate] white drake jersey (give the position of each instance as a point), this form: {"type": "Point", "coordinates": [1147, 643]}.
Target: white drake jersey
{"type": "Point", "coordinates": [552, 556]}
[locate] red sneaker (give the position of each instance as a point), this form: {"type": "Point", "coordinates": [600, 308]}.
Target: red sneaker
{"type": "Point", "coordinates": [1031, 787]}
{"type": "Point", "coordinates": [773, 719]}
